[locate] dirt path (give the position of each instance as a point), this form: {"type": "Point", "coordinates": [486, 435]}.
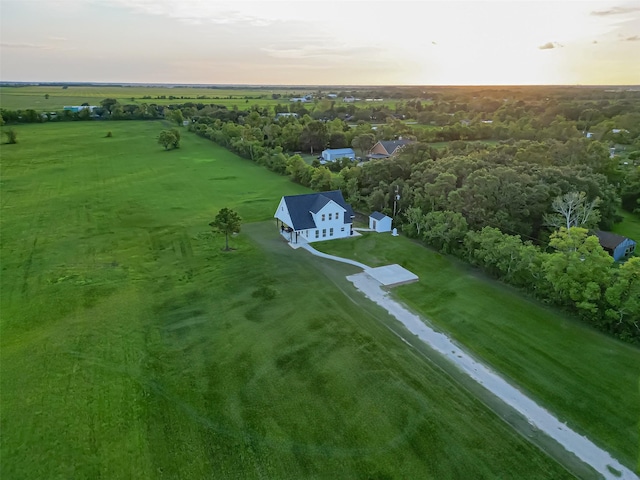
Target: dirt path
{"type": "Point", "coordinates": [538, 417]}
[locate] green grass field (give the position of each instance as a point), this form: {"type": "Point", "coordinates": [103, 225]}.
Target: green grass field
{"type": "Point", "coordinates": [133, 347]}
{"type": "Point", "coordinates": [21, 98]}
{"type": "Point", "coordinates": [586, 378]}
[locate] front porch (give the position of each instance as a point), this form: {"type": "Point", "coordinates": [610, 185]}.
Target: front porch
{"type": "Point", "coordinates": [289, 234]}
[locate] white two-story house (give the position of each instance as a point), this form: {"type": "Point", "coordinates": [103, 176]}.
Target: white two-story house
{"type": "Point", "coordinates": [314, 217]}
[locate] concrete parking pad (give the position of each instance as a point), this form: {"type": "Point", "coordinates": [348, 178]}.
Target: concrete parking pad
{"type": "Point", "coordinates": [392, 275]}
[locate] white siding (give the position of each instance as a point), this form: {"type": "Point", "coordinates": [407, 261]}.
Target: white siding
{"type": "Point", "coordinates": [282, 213]}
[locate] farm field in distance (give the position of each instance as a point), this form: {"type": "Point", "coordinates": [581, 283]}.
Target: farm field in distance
{"type": "Point", "coordinates": [32, 96]}
{"type": "Point", "coordinates": [586, 378]}
{"type": "Point", "coordinates": [133, 347]}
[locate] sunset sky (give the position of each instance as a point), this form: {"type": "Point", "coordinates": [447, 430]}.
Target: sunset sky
{"type": "Point", "coordinates": [318, 43]}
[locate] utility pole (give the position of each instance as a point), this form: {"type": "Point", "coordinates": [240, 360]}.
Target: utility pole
{"type": "Point", "coordinates": [395, 201]}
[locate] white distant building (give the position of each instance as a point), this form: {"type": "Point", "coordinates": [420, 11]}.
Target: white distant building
{"type": "Point", "coordinates": [349, 99]}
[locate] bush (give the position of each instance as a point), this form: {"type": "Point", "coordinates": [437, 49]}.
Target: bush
{"type": "Point", "coordinates": [12, 136]}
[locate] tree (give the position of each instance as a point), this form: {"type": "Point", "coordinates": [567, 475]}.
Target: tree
{"type": "Point", "coordinates": [363, 143]}
{"type": "Point", "coordinates": [623, 297]}
{"type": "Point", "coordinates": [177, 116]}
{"type": "Point", "coordinates": [169, 138]}
{"type": "Point", "coordinates": [573, 210]}
{"type": "Point", "coordinates": [109, 103]}
{"type": "Point", "coordinates": [12, 136]}
{"type": "Point", "coordinates": [444, 230]}
{"type": "Point", "coordinates": [416, 219]}
{"type": "Point", "coordinates": [579, 270]}
{"type": "Point", "coordinates": [228, 222]}
{"type": "Point", "coordinates": [46, 96]}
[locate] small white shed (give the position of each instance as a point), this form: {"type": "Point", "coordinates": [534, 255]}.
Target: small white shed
{"type": "Point", "coordinates": [379, 222]}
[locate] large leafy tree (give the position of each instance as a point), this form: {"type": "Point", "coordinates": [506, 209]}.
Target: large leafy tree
{"type": "Point", "coordinates": [579, 270]}
{"type": "Point", "coordinates": [228, 222]}
{"type": "Point", "coordinates": [444, 230]}
{"type": "Point", "coordinates": [108, 104]}
{"type": "Point", "coordinates": [169, 138]}
{"type": "Point", "coordinates": [623, 296]}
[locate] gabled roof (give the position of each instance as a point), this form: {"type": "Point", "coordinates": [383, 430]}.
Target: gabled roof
{"type": "Point", "coordinates": [320, 202]}
{"type": "Point", "coordinates": [301, 206]}
{"type": "Point", "coordinates": [377, 215]}
{"type": "Point", "coordinates": [391, 145]}
{"type": "Point", "coordinates": [609, 240]}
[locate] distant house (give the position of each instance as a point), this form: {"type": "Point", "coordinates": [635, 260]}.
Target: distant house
{"type": "Point", "coordinates": [619, 130]}
{"type": "Point", "coordinates": [388, 148]}
{"type": "Point", "coordinates": [332, 95]}
{"type": "Point", "coordinates": [333, 154]}
{"type": "Point", "coordinates": [314, 217]}
{"type": "Point", "coordinates": [349, 99]}
{"type": "Point", "coordinates": [616, 245]}
{"type": "Point", "coordinates": [379, 222]}
{"type": "Point", "coordinates": [286, 114]}
{"type": "Point", "coordinates": [78, 108]}
{"type": "Point", "coordinates": [301, 99]}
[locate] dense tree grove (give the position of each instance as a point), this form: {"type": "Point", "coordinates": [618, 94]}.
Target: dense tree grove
{"type": "Point", "coordinates": [523, 174]}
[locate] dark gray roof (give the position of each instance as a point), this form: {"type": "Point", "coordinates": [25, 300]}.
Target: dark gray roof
{"type": "Point", "coordinates": [377, 215]}
{"type": "Point", "coordinates": [319, 202]}
{"type": "Point", "coordinates": [609, 240]}
{"type": "Point", "coordinates": [301, 206]}
{"type": "Point", "coordinates": [391, 145]}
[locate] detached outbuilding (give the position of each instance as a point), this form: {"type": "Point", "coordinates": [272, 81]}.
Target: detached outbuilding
{"type": "Point", "coordinates": [379, 222]}
{"type": "Point", "coordinates": [333, 154]}
{"type": "Point", "coordinates": [616, 245]}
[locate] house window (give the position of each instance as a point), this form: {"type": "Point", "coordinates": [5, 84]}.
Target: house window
{"type": "Point", "coordinates": [331, 232]}
{"type": "Point", "coordinates": [317, 233]}
{"type": "Point", "coordinates": [324, 232]}
{"type": "Point", "coordinates": [338, 216]}
{"type": "Point", "coordinates": [323, 217]}
{"type": "Point", "coordinates": [329, 216]}
{"type": "Point", "coordinates": [342, 229]}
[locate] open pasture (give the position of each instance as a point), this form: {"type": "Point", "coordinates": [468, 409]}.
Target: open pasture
{"type": "Point", "coordinates": [133, 347]}
{"type": "Point", "coordinates": [584, 377]}
{"type": "Point", "coordinates": [33, 97]}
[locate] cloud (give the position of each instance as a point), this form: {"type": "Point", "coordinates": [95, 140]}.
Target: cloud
{"type": "Point", "coordinates": [197, 12]}
{"type": "Point", "coordinates": [311, 51]}
{"type": "Point", "coordinates": [615, 11]}
{"type": "Point", "coordinates": [30, 46]}
{"type": "Point", "coordinates": [635, 38]}
{"type": "Point", "coordinates": [550, 45]}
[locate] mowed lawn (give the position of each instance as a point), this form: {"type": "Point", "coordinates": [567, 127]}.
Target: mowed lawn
{"type": "Point", "coordinates": [586, 378]}
{"type": "Point", "coordinates": [132, 346]}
